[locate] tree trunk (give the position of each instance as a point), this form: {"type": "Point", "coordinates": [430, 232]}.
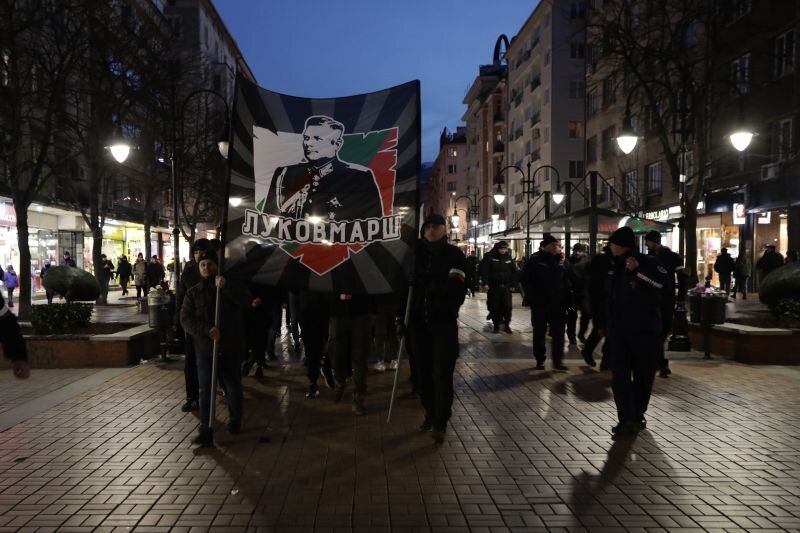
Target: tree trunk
{"type": "Point", "coordinates": [97, 245]}
{"type": "Point", "coordinates": [690, 234]}
{"type": "Point", "coordinates": [24, 296]}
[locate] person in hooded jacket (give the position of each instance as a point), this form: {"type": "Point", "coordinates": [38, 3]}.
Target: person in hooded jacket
{"type": "Point", "coordinates": [547, 291]}
{"type": "Point", "coordinates": [12, 282]}
{"type": "Point", "coordinates": [439, 285]}
{"type": "Point", "coordinates": [499, 272]}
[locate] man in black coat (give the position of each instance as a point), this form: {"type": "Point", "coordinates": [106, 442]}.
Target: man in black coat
{"type": "Point", "coordinates": [724, 266]}
{"type": "Point", "coordinates": [599, 269]}
{"type": "Point", "coordinates": [14, 348]}
{"type": "Point", "coordinates": [499, 272]}
{"type": "Point", "coordinates": [636, 286]}
{"type": "Point", "coordinates": [197, 318]}
{"type": "Point", "coordinates": [323, 185]}
{"type": "Point", "coordinates": [547, 290]}
{"type": "Point", "coordinates": [439, 290]}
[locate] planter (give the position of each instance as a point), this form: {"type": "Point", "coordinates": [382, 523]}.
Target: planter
{"type": "Point", "coordinates": [751, 345]}
{"type": "Point", "coordinates": [117, 349]}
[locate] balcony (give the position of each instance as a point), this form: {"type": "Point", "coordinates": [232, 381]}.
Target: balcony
{"type": "Point", "coordinates": [535, 83]}
{"type": "Point", "coordinates": [518, 133]}
{"type": "Point", "coordinates": [535, 119]}
{"type": "Point", "coordinates": [535, 155]}
{"type": "Point", "coordinates": [517, 100]}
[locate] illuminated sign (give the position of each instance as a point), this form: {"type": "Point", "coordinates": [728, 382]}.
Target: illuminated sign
{"type": "Point", "coordinates": [739, 215]}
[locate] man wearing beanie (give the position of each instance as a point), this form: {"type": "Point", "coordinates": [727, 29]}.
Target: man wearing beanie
{"type": "Point", "coordinates": [197, 318]}
{"type": "Point", "coordinates": [439, 290]}
{"type": "Point", "coordinates": [674, 265]}
{"type": "Point", "coordinates": [499, 272]}
{"type": "Point", "coordinates": [547, 290]}
{"type": "Point", "coordinates": [636, 285]}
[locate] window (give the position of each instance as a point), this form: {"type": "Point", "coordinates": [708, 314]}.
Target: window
{"type": "Point", "coordinates": [654, 178]}
{"type": "Point", "coordinates": [453, 152]}
{"type": "Point", "coordinates": [451, 169]}
{"type": "Point", "coordinates": [784, 54]}
{"type": "Point", "coordinates": [575, 169]}
{"type": "Point", "coordinates": [577, 50]}
{"type": "Point", "coordinates": [546, 136]}
{"type": "Point", "coordinates": [591, 102]}
{"type": "Point", "coordinates": [607, 147]}
{"type": "Point", "coordinates": [577, 10]}
{"type": "Point", "coordinates": [740, 74]}
{"type": "Point", "coordinates": [608, 92]}
{"type": "Point", "coordinates": [576, 89]}
{"type": "Point", "coordinates": [784, 139]}
{"type": "Point", "coordinates": [629, 184]}
{"type": "Point", "coordinates": [451, 186]}
{"type": "Point", "coordinates": [575, 129]}
{"type": "Point", "coordinates": [547, 96]}
{"type": "Point", "coordinates": [591, 149]}
{"type": "Point", "coordinates": [547, 20]}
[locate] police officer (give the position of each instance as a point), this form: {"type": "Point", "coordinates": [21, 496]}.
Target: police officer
{"type": "Point", "coordinates": [499, 272]}
{"type": "Point", "coordinates": [636, 285]}
{"type": "Point", "coordinates": [439, 290]}
{"type": "Point", "coordinates": [675, 269]}
{"type": "Point", "coordinates": [547, 290]}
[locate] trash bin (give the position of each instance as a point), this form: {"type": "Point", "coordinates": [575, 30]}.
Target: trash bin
{"type": "Point", "coordinates": [708, 302]}
{"type": "Point", "coordinates": [158, 305]}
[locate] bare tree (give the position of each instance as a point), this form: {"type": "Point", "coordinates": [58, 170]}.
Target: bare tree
{"type": "Point", "coordinates": [40, 43]}
{"type": "Point", "coordinates": [668, 57]}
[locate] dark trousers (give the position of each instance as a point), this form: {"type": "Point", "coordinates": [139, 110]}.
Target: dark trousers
{"type": "Point", "coordinates": [633, 370]}
{"type": "Point", "coordinates": [275, 316]}
{"type": "Point", "coordinates": [591, 343]}
{"type": "Point", "coordinates": [230, 372]}
{"type": "Point", "coordinates": [740, 286]}
{"type": "Point", "coordinates": [572, 323]}
{"type": "Point", "coordinates": [314, 323]}
{"type": "Point", "coordinates": [141, 290]}
{"type": "Point", "coordinates": [667, 318]}
{"type": "Point", "coordinates": [10, 297]}
{"type": "Point", "coordinates": [349, 349]}
{"type": "Point", "coordinates": [49, 295]}
{"type": "Point", "coordinates": [436, 349]}
{"type": "Point", "coordinates": [386, 342]}
{"type": "Point", "coordinates": [725, 282]}
{"type": "Point", "coordinates": [190, 370]}
{"type": "Point", "coordinates": [123, 282]}
{"type": "Point", "coordinates": [542, 319]}
{"type": "Point", "coordinates": [257, 331]}
{"type": "Point", "coordinates": [499, 301]}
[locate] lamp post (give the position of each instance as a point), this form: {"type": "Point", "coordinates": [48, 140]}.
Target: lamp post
{"type": "Point", "coordinates": [473, 211]}
{"type": "Point", "coordinates": [529, 190]}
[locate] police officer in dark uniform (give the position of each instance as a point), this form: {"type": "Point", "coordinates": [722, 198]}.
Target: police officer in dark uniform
{"type": "Point", "coordinates": [544, 279]}
{"type": "Point", "coordinates": [323, 185]}
{"type": "Point", "coordinates": [636, 285]}
{"type": "Point", "coordinates": [674, 265]}
{"type": "Point", "coordinates": [500, 273]}
{"type": "Point", "coordinates": [439, 290]}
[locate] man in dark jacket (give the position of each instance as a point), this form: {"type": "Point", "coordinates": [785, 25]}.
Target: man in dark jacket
{"type": "Point", "coordinates": [771, 260]}
{"type": "Point", "coordinates": [499, 272]}
{"type": "Point", "coordinates": [14, 348]}
{"type": "Point", "coordinates": [599, 269]}
{"type": "Point", "coordinates": [439, 290]}
{"type": "Point", "coordinates": [124, 273]}
{"type": "Point", "coordinates": [189, 278]}
{"type": "Point", "coordinates": [636, 286]}
{"type": "Point", "coordinates": [677, 277]}
{"type": "Point", "coordinates": [67, 260]}
{"type": "Point", "coordinates": [577, 271]}
{"type": "Point", "coordinates": [544, 279]}
{"type": "Point", "coordinates": [472, 274]}
{"type": "Point", "coordinates": [155, 272]}
{"type": "Point", "coordinates": [724, 266]}
{"type": "Point", "coordinates": [197, 318]}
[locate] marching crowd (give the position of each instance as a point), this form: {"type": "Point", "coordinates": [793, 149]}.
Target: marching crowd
{"type": "Point", "coordinates": [627, 297]}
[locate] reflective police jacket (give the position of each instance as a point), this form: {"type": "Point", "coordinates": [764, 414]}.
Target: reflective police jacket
{"type": "Point", "coordinates": [439, 282]}
{"type": "Point", "coordinates": [634, 297]}
{"type": "Point", "coordinates": [499, 269]}
{"type": "Point", "coordinates": [544, 280]}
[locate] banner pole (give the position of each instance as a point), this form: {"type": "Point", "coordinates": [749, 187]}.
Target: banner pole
{"type": "Point", "coordinates": [223, 233]}
{"type": "Point", "coordinates": [401, 349]}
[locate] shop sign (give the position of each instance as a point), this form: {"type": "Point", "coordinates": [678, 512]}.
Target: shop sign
{"type": "Point", "coordinates": [765, 217]}
{"type": "Point", "coordinates": [739, 214]}
{"type": "Point", "coordinates": [662, 215]}
{"type": "Point", "coordinates": [7, 214]}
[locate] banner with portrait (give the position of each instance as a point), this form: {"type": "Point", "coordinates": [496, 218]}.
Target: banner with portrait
{"type": "Point", "coordinates": [326, 189]}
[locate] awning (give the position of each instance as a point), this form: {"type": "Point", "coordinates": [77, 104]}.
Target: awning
{"type": "Point", "coordinates": [577, 225]}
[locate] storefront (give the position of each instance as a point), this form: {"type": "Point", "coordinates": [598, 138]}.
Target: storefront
{"type": "Point", "coordinates": [667, 214]}
{"type": "Point", "coordinates": [715, 231]}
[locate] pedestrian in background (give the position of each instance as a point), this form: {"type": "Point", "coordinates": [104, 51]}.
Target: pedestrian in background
{"type": "Point", "coordinates": [350, 325]}
{"type": "Point", "coordinates": [67, 260]}
{"type": "Point", "coordinates": [11, 280]}
{"type": "Point", "coordinates": [124, 272]}
{"type": "Point", "coordinates": [499, 272]}
{"type": "Point", "coordinates": [472, 274]}
{"type": "Point", "coordinates": [771, 260]}
{"type": "Point", "coordinates": [636, 286]}
{"type": "Point", "coordinates": [14, 348]}
{"type": "Point", "coordinates": [47, 265]}
{"type": "Point", "coordinates": [742, 270]}
{"type": "Point", "coordinates": [578, 272]}
{"type": "Point", "coordinates": [724, 266]}
{"type": "Point", "coordinates": [547, 290]}
{"type": "Point", "coordinates": [314, 320]}
{"type": "Point", "coordinates": [106, 273]}
{"type": "Point", "coordinates": [599, 269]}
{"type": "Point", "coordinates": [140, 276]}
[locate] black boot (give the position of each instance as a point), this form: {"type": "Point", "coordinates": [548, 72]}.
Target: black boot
{"type": "Point", "coordinates": [204, 438]}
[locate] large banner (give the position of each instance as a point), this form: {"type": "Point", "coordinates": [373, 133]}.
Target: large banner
{"type": "Point", "coordinates": [328, 189]}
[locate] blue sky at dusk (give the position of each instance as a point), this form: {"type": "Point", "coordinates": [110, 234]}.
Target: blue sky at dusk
{"type": "Point", "coordinates": [327, 48]}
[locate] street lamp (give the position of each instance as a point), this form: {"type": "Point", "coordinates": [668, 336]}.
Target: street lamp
{"type": "Point", "coordinates": [119, 147]}
{"type": "Point", "coordinates": [741, 139]}
{"type": "Point", "coordinates": [528, 189]}
{"type": "Point", "coordinates": [473, 212]}
{"type": "Point", "coordinates": [499, 195]}
{"type": "Point", "coordinates": [627, 138]}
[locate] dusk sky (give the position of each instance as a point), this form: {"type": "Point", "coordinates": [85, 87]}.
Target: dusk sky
{"type": "Point", "coordinates": [321, 48]}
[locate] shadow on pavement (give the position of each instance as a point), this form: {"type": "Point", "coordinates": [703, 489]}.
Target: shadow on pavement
{"type": "Point", "coordinates": [590, 386]}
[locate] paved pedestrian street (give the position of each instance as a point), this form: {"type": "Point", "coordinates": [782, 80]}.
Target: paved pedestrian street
{"type": "Point", "coordinates": [526, 451]}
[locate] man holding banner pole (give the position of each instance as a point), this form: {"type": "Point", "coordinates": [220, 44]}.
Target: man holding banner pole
{"type": "Point", "coordinates": [439, 289]}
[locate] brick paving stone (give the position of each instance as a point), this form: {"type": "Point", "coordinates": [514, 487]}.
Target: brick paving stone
{"type": "Point", "coordinates": [526, 451]}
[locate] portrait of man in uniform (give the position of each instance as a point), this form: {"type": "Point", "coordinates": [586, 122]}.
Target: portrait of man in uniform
{"type": "Point", "coordinates": [322, 185]}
